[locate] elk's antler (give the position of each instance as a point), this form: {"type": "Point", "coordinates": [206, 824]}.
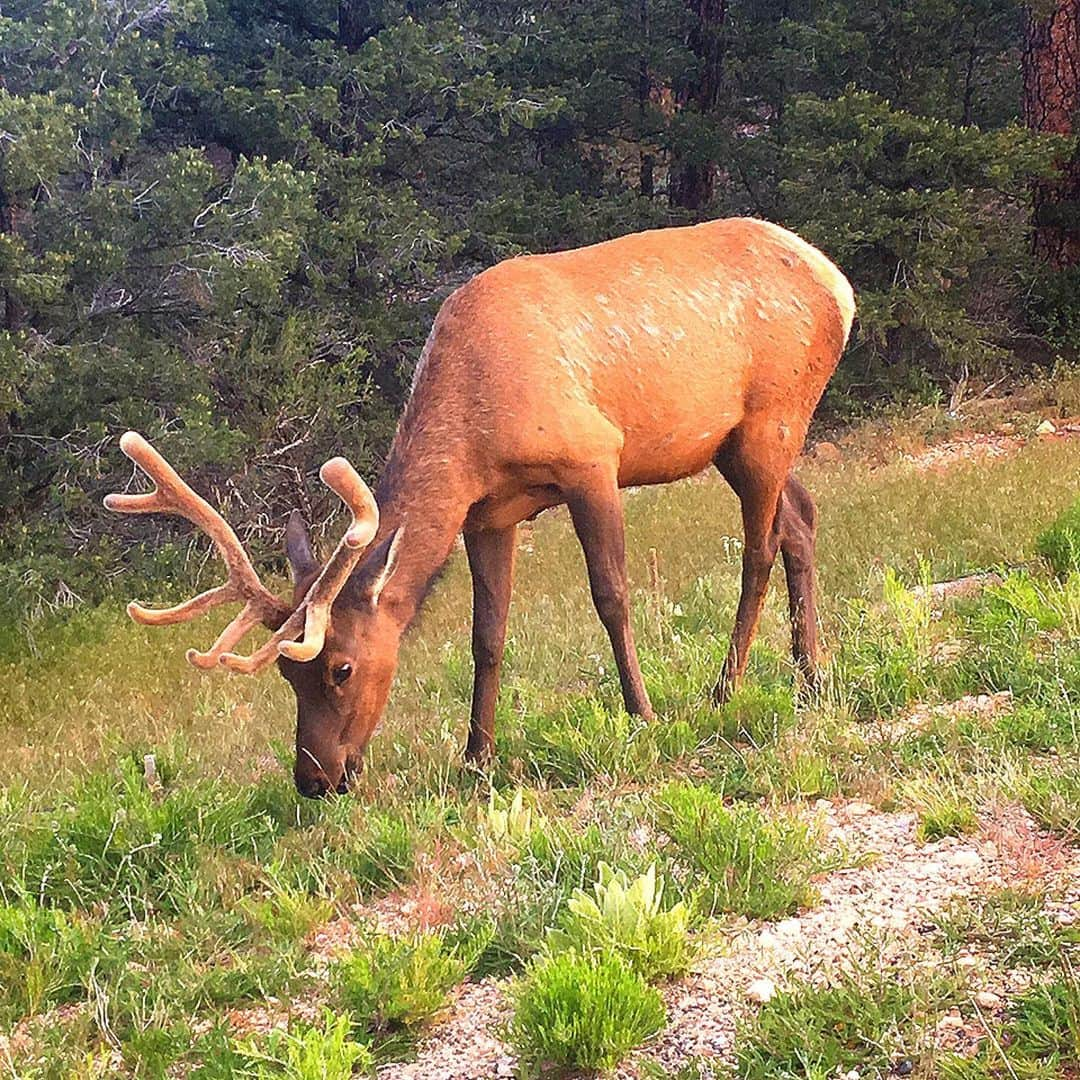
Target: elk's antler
{"type": "Point", "coordinates": [173, 496]}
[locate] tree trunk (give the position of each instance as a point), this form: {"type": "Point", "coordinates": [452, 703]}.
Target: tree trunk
{"type": "Point", "coordinates": [1051, 71]}
{"type": "Point", "coordinates": [12, 311]}
{"type": "Point", "coordinates": [693, 180]}
{"type": "Point", "coordinates": [358, 20]}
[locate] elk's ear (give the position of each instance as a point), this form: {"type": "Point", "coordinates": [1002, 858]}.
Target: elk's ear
{"type": "Point", "coordinates": [298, 548]}
{"type": "Point", "coordinates": [385, 557]}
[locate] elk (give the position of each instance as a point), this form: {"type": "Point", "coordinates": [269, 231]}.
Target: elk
{"type": "Point", "coordinates": [547, 380]}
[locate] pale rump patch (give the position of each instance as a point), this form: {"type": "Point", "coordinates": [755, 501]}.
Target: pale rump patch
{"type": "Point", "coordinates": [822, 268]}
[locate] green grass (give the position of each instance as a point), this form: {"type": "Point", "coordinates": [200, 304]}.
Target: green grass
{"type": "Point", "coordinates": [584, 1012]}
{"type": "Point", "coordinates": [325, 1052]}
{"type": "Point", "coordinates": [870, 1022]}
{"type": "Point", "coordinates": [135, 919]}
{"type": "Point", "coordinates": [392, 984]}
{"type": "Point", "coordinates": [1060, 543]}
{"type": "Point", "coordinates": [735, 858]}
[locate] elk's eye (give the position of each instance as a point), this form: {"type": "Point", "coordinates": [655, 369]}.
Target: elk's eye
{"type": "Point", "coordinates": [341, 673]}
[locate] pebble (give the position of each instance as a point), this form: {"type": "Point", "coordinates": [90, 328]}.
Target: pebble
{"type": "Point", "coordinates": [986, 999]}
{"type": "Point", "coordinates": [1046, 428]}
{"type": "Point", "coordinates": [965, 857]}
{"type": "Point", "coordinates": [761, 990]}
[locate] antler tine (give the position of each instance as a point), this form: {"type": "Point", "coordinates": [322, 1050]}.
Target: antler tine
{"type": "Point", "coordinates": [172, 495]}
{"type": "Point", "coordinates": [313, 614]}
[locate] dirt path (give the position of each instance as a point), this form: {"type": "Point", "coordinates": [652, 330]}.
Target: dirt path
{"type": "Point", "coordinates": [887, 899]}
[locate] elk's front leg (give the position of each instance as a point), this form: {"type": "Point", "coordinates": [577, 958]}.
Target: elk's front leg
{"type": "Point", "coordinates": [491, 561]}
{"type": "Point", "coordinates": [598, 521]}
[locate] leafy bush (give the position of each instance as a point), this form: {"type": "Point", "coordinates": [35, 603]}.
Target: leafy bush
{"type": "Point", "coordinates": [1059, 545]}
{"type": "Point", "coordinates": [324, 1052]}
{"type": "Point", "coordinates": [585, 1012]}
{"type": "Point", "coordinates": [734, 857]}
{"type": "Point", "coordinates": [389, 984]}
{"type": "Point", "coordinates": [627, 918]}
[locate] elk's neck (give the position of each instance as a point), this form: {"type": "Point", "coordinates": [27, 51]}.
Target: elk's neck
{"type": "Point", "coordinates": [423, 490]}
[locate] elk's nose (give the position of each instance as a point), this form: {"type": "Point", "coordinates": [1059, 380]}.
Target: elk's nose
{"type": "Point", "coordinates": [312, 787]}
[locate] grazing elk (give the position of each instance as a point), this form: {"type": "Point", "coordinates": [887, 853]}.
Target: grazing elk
{"type": "Point", "coordinates": [548, 379]}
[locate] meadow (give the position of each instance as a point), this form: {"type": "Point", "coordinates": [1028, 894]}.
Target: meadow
{"type": "Point", "coordinates": [190, 915]}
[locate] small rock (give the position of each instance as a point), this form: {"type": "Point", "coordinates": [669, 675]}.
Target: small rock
{"type": "Point", "coordinates": [967, 961]}
{"type": "Point", "coordinates": [826, 452]}
{"type": "Point", "coordinates": [986, 999]}
{"type": "Point", "coordinates": [1008, 428]}
{"type": "Point", "coordinates": [950, 1021]}
{"type": "Point", "coordinates": [1046, 428]}
{"type": "Point", "coordinates": [965, 858]}
{"type": "Point", "coordinates": [904, 1067]}
{"type": "Point", "coordinates": [761, 990]}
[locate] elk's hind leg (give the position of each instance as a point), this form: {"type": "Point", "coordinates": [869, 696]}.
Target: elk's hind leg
{"type": "Point", "coordinates": [596, 510]}
{"type": "Point", "coordinates": [491, 561]}
{"type": "Point", "coordinates": [798, 533]}
{"type": "Point", "coordinates": [756, 472]}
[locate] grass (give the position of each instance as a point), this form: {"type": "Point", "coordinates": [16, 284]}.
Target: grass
{"type": "Point", "coordinates": [138, 919]}
{"type": "Point", "coordinates": [871, 1023]}
{"type": "Point", "coordinates": [583, 1012]}
{"type": "Point", "coordinates": [736, 859]}
{"type": "Point", "coordinates": [391, 984]}
{"type": "Point", "coordinates": [1060, 543]}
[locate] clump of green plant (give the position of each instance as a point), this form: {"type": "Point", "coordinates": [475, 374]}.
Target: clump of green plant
{"type": "Point", "coordinates": [581, 1011]}
{"type": "Point", "coordinates": [325, 1052]}
{"type": "Point", "coordinates": [46, 957]}
{"type": "Point", "coordinates": [943, 806]}
{"type": "Point", "coordinates": [391, 984]}
{"type": "Point", "coordinates": [627, 917]}
{"type": "Point", "coordinates": [758, 714]}
{"type": "Point", "coordinates": [884, 657]}
{"type": "Point", "coordinates": [510, 823]}
{"type": "Point", "coordinates": [1040, 1038]}
{"type": "Point", "coordinates": [1053, 798]}
{"type": "Point", "coordinates": [866, 1023]}
{"type": "Point", "coordinates": [286, 913]}
{"type": "Point", "coordinates": [1009, 923]}
{"type": "Point", "coordinates": [1059, 543]}
{"type": "Point", "coordinates": [738, 859]}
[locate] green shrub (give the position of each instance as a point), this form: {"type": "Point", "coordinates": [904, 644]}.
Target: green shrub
{"type": "Point", "coordinates": [1045, 1022]}
{"type": "Point", "coordinates": [287, 913]}
{"type": "Point", "coordinates": [310, 1053]}
{"type": "Point", "coordinates": [627, 918]}
{"type": "Point", "coordinates": [1059, 544]}
{"type": "Point", "coordinates": [390, 984]}
{"type": "Point", "coordinates": [584, 1012]}
{"type": "Point", "coordinates": [738, 859]}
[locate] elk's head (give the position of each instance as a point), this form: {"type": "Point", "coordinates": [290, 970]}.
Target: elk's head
{"type": "Point", "coordinates": [335, 643]}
